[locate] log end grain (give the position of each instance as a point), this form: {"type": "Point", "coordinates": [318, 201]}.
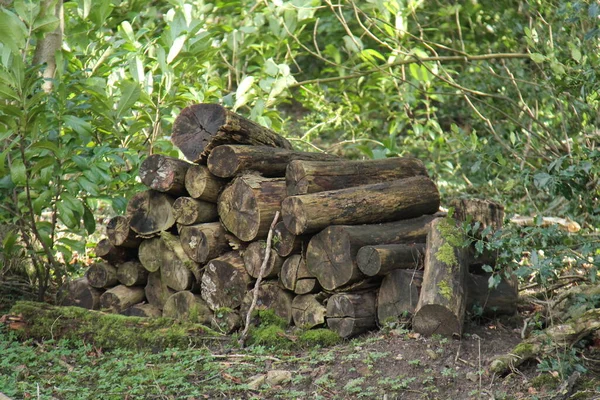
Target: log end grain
{"type": "Point", "coordinates": [436, 319]}
{"type": "Point", "coordinates": [294, 216]}
{"type": "Point", "coordinates": [195, 126]}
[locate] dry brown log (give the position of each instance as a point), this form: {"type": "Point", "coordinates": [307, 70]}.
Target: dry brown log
{"type": "Point", "coordinates": [247, 206]}
{"type": "Point", "coordinates": [286, 243]}
{"type": "Point", "coordinates": [157, 292]}
{"type": "Point", "coordinates": [144, 310]}
{"type": "Point", "coordinates": [189, 211]}
{"type": "Point", "coordinates": [79, 293]}
{"type": "Point", "coordinates": [113, 254]}
{"type": "Point", "coordinates": [304, 177]}
{"type": "Point", "coordinates": [226, 320]}
{"type": "Point", "coordinates": [102, 275]}
{"type": "Point", "coordinates": [178, 271]}
{"type": "Point", "coordinates": [225, 281]}
{"type": "Point", "coordinates": [119, 233]}
{"type": "Point", "coordinates": [121, 297]}
{"type": "Point", "coordinates": [398, 296]}
{"type": "Point", "coordinates": [132, 273]}
{"type": "Point", "coordinates": [164, 174]}
{"type": "Point", "coordinates": [350, 314]}
{"type": "Point", "coordinates": [443, 300]}
{"type": "Point", "coordinates": [331, 254]}
{"type": "Point", "coordinates": [227, 161]}
{"type": "Point", "coordinates": [203, 185]}
{"type": "Point", "coordinates": [308, 310]}
{"type": "Point", "coordinates": [204, 242]}
{"type": "Point", "coordinates": [201, 127]}
{"type": "Point", "coordinates": [253, 257]}
{"type": "Point", "coordinates": [150, 212]}
{"type": "Point", "coordinates": [381, 259]}
{"type": "Point", "coordinates": [270, 297]}
{"type": "Point", "coordinates": [150, 253]}
{"type": "Point", "coordinates": [368, 204]}
{"type": "Point", "coordinates": [295, 276]}
{"type": "Point", "coordinates": [500, 300]}
{"type": "Point", "coordinates": [187, 306]}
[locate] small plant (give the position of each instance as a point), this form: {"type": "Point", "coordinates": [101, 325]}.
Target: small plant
{"type": "Point", "coordinates": [449, 373]}
{"type": "Point", "coordinates": [415, 362]}
{"type": "Point", "coordinates": [354, 385]}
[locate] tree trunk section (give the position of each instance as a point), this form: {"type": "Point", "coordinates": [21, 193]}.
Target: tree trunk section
{"type": "Point", "coordinates": [303, 177]}
{"type": "Point", "coordinates": [188, 211]}
{"type": "Point", "coordinates": [202, 185]}
{"type": "Point", "coordinates": [270, 297]}
{"type": "Point", "coordinates": [201, 127]}
{"type": "Point", "coordinates": [247, 206]}
{"type": "Point", "coordinates": [186, 306]}
{"type": "Point", "coordinates": [350, 314]}
{"type": "Point", "coordinates": [295, 276]}
{"type": "Point", "coordinates": [204, 242]}
{"type": "Point", "coordinates": [368, 204]}
{"type": "Point", "coordinates": [164, 174]}
{"type": "Point", "coordinates": [143, 310]}
{"type": "Point", "coordinates": [150, 212]}
{"type": "Point", "coordinates": [286, 243]}
{"type": "Point", "coordinates": [157, 292]}
{"type": "Point", "coordinates": [150, 253]}
{"type": "Point", "coordinates": [486, 212]}
{"type": "Point", "coordinates": [381, 259]}
{"type": "Point", "coordinates": [79, 293]}
{"type": "Point", "coordinates": [226, 320]}
{"type": "Point", "coordinates": [254, 255]}
{"type": "Point", "coordinates": [121, 297]}
{"type": "Point", "coordinates": [102, 275]}
{"type": "Point", "coordinates": [501, 300]}
{"type": "Point", "coordinates": [132, 273]}
{"type": "Point", "coordinates": [178, 271]}
{"type": "Point", "coordinates": [398, 296]}
{"type": "Point", "coordinates": [308, 310]}
{"type": "Point", "coordinates": [119, 233]}
{"type": "Point", "coordinates": [113, 254]}
{"type": "Point", "coordinates": [225, 281]}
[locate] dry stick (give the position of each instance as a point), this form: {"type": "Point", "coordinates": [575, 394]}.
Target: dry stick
{"type": "Point", "coordinates": [258, 280]}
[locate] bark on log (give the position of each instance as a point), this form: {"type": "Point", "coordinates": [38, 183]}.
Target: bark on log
{"type": "Point", "coordinates": [247, 206]}
{"type": "Point", "coordinates": [202, 185]}
{"type": "Point", "coordinates": [350, 314]}
{"type": "Point", "coordinates": [186, 306]}
{"type": "Point", "coordinates": [143, 310]}
{"type": "Point", "coordinates": [150, 253]}
{"type": "Point", "coordinates": [201, 127]}
{"type": "Point", "coordinates": [253, 257]}
{"type": "Point", "coordinates": [270, 297]}
{"type": "Point", "coordinates": [189, 211]}
{"type": "Point", "coordinates": [398, 296]}
{"type": "Point", "coordinates": [381, 259]}
{"type": "Point", "coordinates": [226, 320]}
{"type": "Point", "coordinates": [79, 293]}
{"type": "Point", "coordinates": [227, 161]}
{"type": "Point", "coordinates": [113, 254]}
{"type": "Point", "coordinates": [121, 297]}
{"type": "Point", "coordinates": [486, 212]}
{"type": "Point", "coordinates": [304, 177]}
{"type": "Point", "coordinates": [331, 254]}
{"type": "Point", "coordinates": [150, 212]}
{"type": "Point", "coordinates": [286, 243]}
{"type": "Point", "coordinates": [368, 204]}
{"type": "Point", "coordinates": [102, 275]}
{"type": "Point", "coordinates": [119, 233]}
{"type": "Point", "coordinates": [295, 276]}
{"type": "Point", "coordinates": [308, 310]}
{"type": "Point", "coordinates": [204, 242]}
{"type": "Point", "coordinates": [443, 299]}
{"type": "Point", "coordinates": [501, 300]}
{"type": "Point", "coordinates": [157, 292]}
{"type": "Point", "coordinates": [178, 271]}
{"type": "Point", "coordinates": [225, 281]}
{"type": "Point", "coordinates": [164, 174]}
{"type": "Point", "coordinates": [132, 273]}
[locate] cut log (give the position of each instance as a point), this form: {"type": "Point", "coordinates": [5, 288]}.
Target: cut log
{"type": "Point", "coordinates": [501, 300]}
{"type": "Point", "coordinates": [286, 243]}
{"type": "Point", "coordinates": [178, 271]}
{"type": "Point", "coordinates": [132, 273]}
{"type": "Point", "coordinates": [350, 314]}
{"type": "Point", "coordinates": [331, 254]}
{"type": "Point", "coordinates": [308, 310]}
{"type": "Point", "coordinates": [150, 254]}
{"type": "Point", "coordinates": [295, 276]}
{"type": "Point", "coordinates": [254, 255]}
{"type": "Point", "coordinates": [186, 306]}
{"type": "Point", "coordinates": [379, 202]}
{"type": "Point", "coordinates": [79, 293]}
{"type": "Point", "coordinates": [113, 254]}
{"type": "Point", "coordinates": [304, 177]}
{"type": "Point", "coordinates": [229, 160]}
{"type": "Point", "coordinates": [247, 206]}
{"type": "Point", "coordinates": [157, 292]}
{"type": "Point", "coordinates": [119, 233]}
{"type": "Point", "coordinates": [188, 211]}
{"type": "Point", "coordinates": [270, 297]}
{"type": "Point", "coordinates": [150, 212]}
{"type": "Point", "coordinates": [121, 297]}
{"type": "Point", "coordinates": [102, 275]}
{"type": "Point", "coordinates": [226, 320]}
{"type": "Point", "coordinates": [203, 242]}
{"type": "Point", "coordinates": [202, 185]}
{"type": "Point", "coordinates": [381, 259]}
{"type": "Point", "coordinates": [441, 307]}
{"type": "Point", "coordinates": [398, 296]}
{"type": "Point", "coordinates": [164, 174]}
{"type": "Point", "coordinates": [143, 310]}
{"type": "Point", "coordinates": [225, 281]}
{"type": "Point", "coordinates": [201, 127]}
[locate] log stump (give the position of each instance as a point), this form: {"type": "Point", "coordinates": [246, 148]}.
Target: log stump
{"type": "Point", "coordinates": [178, 271]}
{"type": "Point", "coordinates": [79, 293]}
{"type": "Point", "coordinates": [350, 314]}
{"type": "Point", "coordinates": [203, 242]}
{"type": "Point", "coordinates": [486, 301]}
{"type": "Point", "coordinates": [132, 273]}
{"type": "Point", "coordinates": [164, 174]}
{"type": "Point", "coordinates": [202, 185]}
{"type": "Point", "coordinates": [157, 292]}
{"type": "Point", "coordinates": [286, 243]}
{"type": "Point", "coordinates": [294, 276]}
{"type": "Point", "coordinates": [150, 254]}
{"type": "Point", "coordinates": [102, 275]}
{"type": "Point", "coordinates": [189, 211]}
{"type": "Point", "coordinates": [121, 297]}
{"type": "Point", "coordinates": [225, 281]}
{"type": "Point", "coordinates": [381, 259]}
{"type": "Point", "coordinates": [253, 257]}
{"type": "Point", "coordinates": [186, 306]}
{"type": "Point", "coordinates": [308, 310]}
{"type": "Point", "coordinates": [113, 254]}
{"type": "Point", "coordinates": [270, 297]}
{"type": "Point", "coordinates": [150, 212]}
{"type": "Point", "coordinates": [398, 296]}
{"type": "Point", "coordinates": [119, 233]}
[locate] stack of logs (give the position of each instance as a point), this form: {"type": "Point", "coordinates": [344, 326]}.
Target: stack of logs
{"type": "Point", "coordinates": [360, 242]}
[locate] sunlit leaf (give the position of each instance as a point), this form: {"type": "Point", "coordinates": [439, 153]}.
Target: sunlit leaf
{"type": "Point", "coordinates": [13, 32]}
{"type": "Point", "coordinates": [176, 48]}
{"type": "Point", "coordinates": [46, 24]}
{"type": "Point", "coordinates": [18, 173]}
{"type": "Point", "coordinates": [130, 93]}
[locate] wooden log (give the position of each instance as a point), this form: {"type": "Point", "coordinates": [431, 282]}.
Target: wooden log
{"type": "Point", "coordinates": [186, 306]}
{"type": "Point", "coordinates": [308, 310]}
{"type": "Point", "coordinates": [443, 299]}
{"type": "Point", "coordinates": [247, 206]}
{"type": "Point", "coordinates": [226, 161]}
{"type": "Point", "coordinates": [381, 259]}
{"type": "Point", "coordinates": [132, 273]}
{"type": "Point", "coordinates": [368, 204]}
{"type": "Point", "coordinates": [253, 257]}
{"type": "Point", "coordinates": [150, 212]}
{"type": "Point", "coordinates": [102, 275]}
{"type": "Point", "coordinates": [201, 127]}
{"type": "Point", "coordinates": [286, 243]}
{"type": "Point", "coordinates": [164, 174]}
{"type": "Point", "coordinates": [350, 314]}
{"type": "Point", "coordinates": [113, 254]}
{"type": "Point", "coordinates": [202, 185]}
{"type": "Point", "coordinates": [157, 292]}
{"type": "Point", "coordinates": [226, 320]}
{"type": "Point", "coordinates": [178, 271]}
{"type": "Point", "coordinates": [189, 211]}
{"type": "Point", "coordinates": [270, 297]}
{"type": "Point", "coordinates": [486, 301]}
{"type": "Point", "coordinates": [295, 276]}
{"type": "Point", "coordinates": [150, 254]}
{"type": "Point", "coordinates": [119, 233]}
{"type": "Point", "coordinates": [121, 297]}
{"type": "Point", "coordinates": [303, 177]}
{"type": "Point", "coordinates": [331, 254]}
{"type": "Point", "coordinates": [225, 281]}
{"type": "Point", "coordinates": [203, 242]}
{"type": "Point", "coordinates": [79, 293]}
{"type": "Point", "coordinates": [144, 310]}
{"type": "Point", "coordinates": [398, 296]}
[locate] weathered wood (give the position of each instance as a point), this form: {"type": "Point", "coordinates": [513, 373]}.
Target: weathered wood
{"type": "Point", "coordinates": [157, 292]}
{"type": "Point", "coordinates": [379, 202]}
{"type": "Point", "coordinates": [483, 300]}
{"type": "Point", "coordinates": [102, 275]}
{"type": "Point", "coordinates": [203, 185]}
{"type": "Point", "coordinates": [164, 174]}
{"type": "Point", "coordinates": [143, 310]}
{"type": "Point", "coordinates": [486, 212]}
{"type": "Point", "coordinates": [113, 254]}
{"type": "Point", "coordinates": [381, 259]}
{"type": "Point", "coordinates": [398, 296]}
{"type": "Point", "coordinates": [225, 281]}
{"type": "Point", "coordinates": [443, 299]}
{"type": "Point", "coordinates": [350, 314]}
{"type": "Point", "coordinates": [226, 320]}
{"type": "Point", "coordinates": [150, 212]}
{"type": "Point", "coordinates": [286, 243]}
{"type": "Point", "coordinates": [132, 273]}
{"type": "Point", "coordinates": [270, 297]}
{"type": "Point", "coordinates": [150, 253]}
{"type": "Point", "coordinates": [121, 297]}
{"type": "Point", "coordinates": [253, 257]}
{"type": "Point", "coordinates": [119, 233]}
{"type": "Point", "coordinates": [295, 276]}
{"type": "Point", "coordinates": [227, 161]}
{"type": "Point", "coordinates": [308, 310]}
{"type": "Point", "coordinates": [201, 127]}
{"type": "Point", "coordinates": [247, 206]}
{"type": "Point", "coordinates": [203, 242]}
{"type": "Point", "coordinates": [187, 306]}
{"type": "Point", "coordinates": [189, 211]}
{"type": "Point", "coordinates": [178, 270]}
{"type": "Point", "coordinates": [79, 293]}
{"type": "Point", "coordinates": [331, 254]}
{"type": "Point", "coordinates": [304, 177]}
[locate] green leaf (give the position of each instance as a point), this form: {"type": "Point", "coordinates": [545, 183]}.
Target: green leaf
{"type": "Point", "coordinates": [45, 24]}
{"type": "Point", "coordinates": [79, 125]}
{"type": "Point", "coordinates": [43, 201]}
{"type": "Point", "coordinates": [42, 163]}
{"type": "Point", "coordinates": [541, 180]}
{"type": "Point", "coordinates": [46, 144]}
{"type": "Point", "coordinates": [73, 203]}
{"type": "Point", "coordinates": [130, 93]}
{"type": "Point", "coordinates": [88, 186]}
{"type": "Point", "coordinates": [128, 30]}
{"type": "Point", "coordinates": [89, 222]}
{"type": "Point", "coordinates": [67, 215]}
{"type": "Point", "coordinates": [176, 48]}
{"type": "Point", "coordinates": [13, 32]}
{"type": "Point", "coordinates": [538, 58]}
{"type": "Point", "coordinates": [18, 173]}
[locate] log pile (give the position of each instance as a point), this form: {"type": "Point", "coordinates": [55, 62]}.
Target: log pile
{"type": "Point", "coordinates": [359, 243]}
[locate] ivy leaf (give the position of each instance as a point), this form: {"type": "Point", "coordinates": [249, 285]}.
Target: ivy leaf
{"type": "Point", "coordinates": [130, 93]}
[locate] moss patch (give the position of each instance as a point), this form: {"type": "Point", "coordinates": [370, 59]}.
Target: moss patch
{"type": "Point", "coordinates": [445, 290]}
{"type": "Point", "coordinates": [454, 239]}
{"type": "Point", "coordinates": [318, 337]}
